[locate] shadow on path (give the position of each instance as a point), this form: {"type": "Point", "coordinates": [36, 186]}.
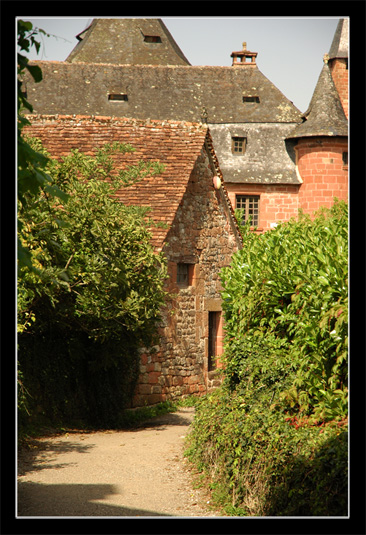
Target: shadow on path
{"type": "Point", "coordinates": [37, 499]}
{"type": "Point", "coordinates": [41, 453]}
{"type": "Point", "coordinates": [163, 422]}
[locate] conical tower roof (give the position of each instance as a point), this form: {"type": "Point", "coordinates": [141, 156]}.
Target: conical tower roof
{"type": "Point", "coordinates": [325, 115]}
{"type": "Point", "coordinates": [127, 42]}
{"type": "Point", "coordinates": [339, 46]}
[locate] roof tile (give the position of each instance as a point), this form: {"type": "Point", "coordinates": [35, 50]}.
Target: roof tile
{"type": "Point", "coordinates": [156, 141]}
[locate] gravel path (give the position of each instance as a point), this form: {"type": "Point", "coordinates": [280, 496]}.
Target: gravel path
{"type": "Point", "coordinates": [139, 472]}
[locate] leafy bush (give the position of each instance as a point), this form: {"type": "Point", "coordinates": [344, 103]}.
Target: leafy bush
{"type": "Point", "coordinates": [273, 438]}
{"type": "Point", "coordinates": [95, 296]}
{"type": "Point", "coordinates": [292, 283]}
{"type": "Point", "coordinates": [261, 463]}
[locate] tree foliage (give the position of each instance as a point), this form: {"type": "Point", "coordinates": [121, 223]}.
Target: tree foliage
{"type": "Point", "coordinates": [273, 438]}
{"type": "Point", "coordinates": [98, 290]}
{"type": "Point", "coordinates": [90, 285]}
{"type": "Point", "coordinates": [31, 176]}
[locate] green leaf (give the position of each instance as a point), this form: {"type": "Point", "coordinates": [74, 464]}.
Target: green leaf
{"type": "Point", "coordinates": [35, 71]}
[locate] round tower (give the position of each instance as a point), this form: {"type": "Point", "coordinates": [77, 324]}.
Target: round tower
{"type": "Point", "coordinates": [338, 62]}
{"type": "Point", "coordinates": [322, 146]}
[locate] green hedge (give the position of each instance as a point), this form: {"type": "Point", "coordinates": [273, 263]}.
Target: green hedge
{"type": "Point", "coordinates": [273, 438]}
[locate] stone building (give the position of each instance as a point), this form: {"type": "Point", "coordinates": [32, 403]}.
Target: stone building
{"type": "Point", "coordinates": [199, 237]}
{"type": "Point", "coordinates": [129, 75]}
{"type": "Point", "coordinates": [134, 68]}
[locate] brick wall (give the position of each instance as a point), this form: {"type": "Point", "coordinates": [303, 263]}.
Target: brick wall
{"type": "Point", "coordinates": [202, 236]}
{"type": "Point", "coordinates": [339, 70]}
{"type": "Point", "coordinates": [277, 202]}
{"type": "Point", "coordinates": [324, 174]}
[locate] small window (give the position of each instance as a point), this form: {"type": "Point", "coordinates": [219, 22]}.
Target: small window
{"type": "Point", "coordinates": [249, 204]}
{"type": "Point", "coordinates": [238, 145]}
{"type": "Point", "coordinates": [184, 274]}
{"type": "Point", "coordinates": [117, 96]}
{"type": "Point", "coordinates": [251, 99]}
{"type": "Point", "coordinates": [152, 38]}
{"type": "Point", "coordinates": [345, 158]}
{"type": "Point", "coordinates": [213, 331]}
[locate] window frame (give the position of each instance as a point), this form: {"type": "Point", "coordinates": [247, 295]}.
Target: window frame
{"type": "Point", "coordinates": [247, 199]}
{"type": "Point", "coordinates": [214, 318]}
{"type": "Point", "coordinates": [238, 139]}
{"type": "Point", "coordinates": [184, 277]}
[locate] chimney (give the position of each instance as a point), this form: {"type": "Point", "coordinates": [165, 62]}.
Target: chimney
{"type": "Point", "coordinates": [244, 57]}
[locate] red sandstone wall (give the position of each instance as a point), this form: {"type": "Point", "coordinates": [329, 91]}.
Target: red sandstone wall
{"type": "Point", "coordinates": [323, 172]}
{"type": "Point", "coordinates": [277, 202]}
{"type": "Point", "coordinates": [339, 70]}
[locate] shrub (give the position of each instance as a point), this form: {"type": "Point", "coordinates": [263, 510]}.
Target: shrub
{"type": "Point", "coordinates": [292, 283]}
{"type": "Point", "coordinates": [273, 438]}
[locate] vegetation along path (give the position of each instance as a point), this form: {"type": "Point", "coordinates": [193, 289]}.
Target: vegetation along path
{"type": "Point", "coordinates": [138, 472]}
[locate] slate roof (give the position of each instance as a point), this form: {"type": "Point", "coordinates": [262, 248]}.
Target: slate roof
{"type": "Point", "coordinates": [104, 65]}
{"type": "Point", "coordinates": [325, 115]}
{"type": "Point", "coordinates": [177, 145]}
{"type": "Point", "coordinates": [268, 157]}
{"type": "Point", "coordinates": [339, 46]}
{"type": "Point", "coordinates": [122, 41]}
{"type": "Point", "coordinates": [182, 93]}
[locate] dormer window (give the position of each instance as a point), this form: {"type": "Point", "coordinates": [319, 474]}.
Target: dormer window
{"type": "Point", "coordinates": [152, 38]}
{"type": "Point", "coordinates": [238, 145]}
{"type": "Point", "coordinates": [117, 97]}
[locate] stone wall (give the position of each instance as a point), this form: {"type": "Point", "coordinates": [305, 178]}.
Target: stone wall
{"type": "Point", "coordinates": [202, 237]}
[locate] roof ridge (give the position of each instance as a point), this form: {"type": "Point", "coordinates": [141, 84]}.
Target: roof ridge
{"type": "Point", "coordinates": [126, 120]}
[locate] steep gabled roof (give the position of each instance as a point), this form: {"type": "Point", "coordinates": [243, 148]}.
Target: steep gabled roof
{"type": "Point", "coordinates": [127, 41]}
{"type": "Point", "coordinates": [325, 115]}
{"type": "Point", "coordinates": [177, 145]}
{"type": "Point", "coordinates": [339, 46]}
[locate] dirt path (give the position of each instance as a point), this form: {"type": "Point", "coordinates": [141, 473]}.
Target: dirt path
{"type": "Point", "coordinates": [140, 472]}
